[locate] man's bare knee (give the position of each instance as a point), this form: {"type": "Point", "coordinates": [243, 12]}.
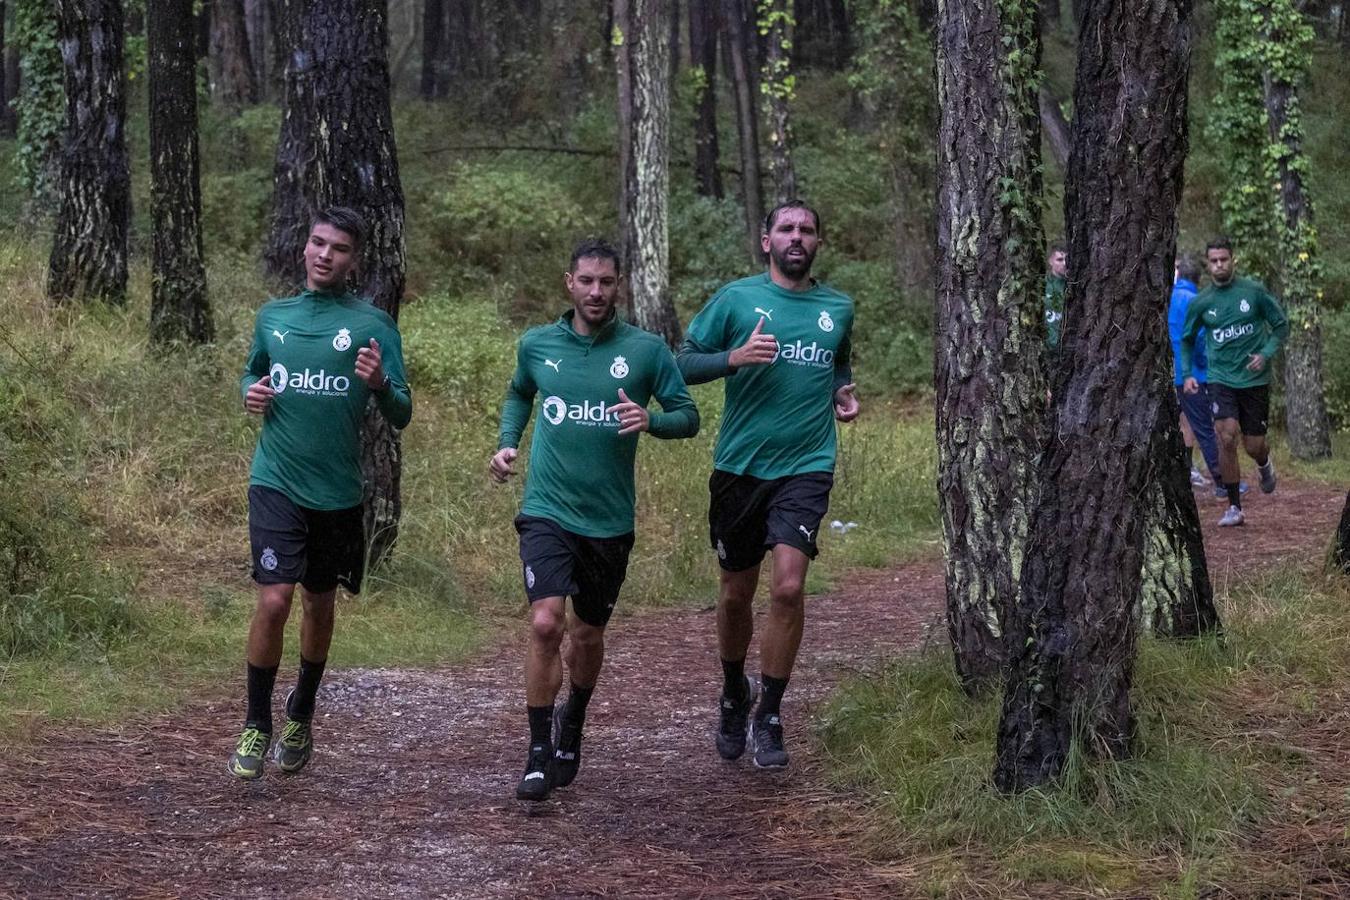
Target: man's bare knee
{"type": "Point", "coordinates": [546, 626]}
{"type": "Point", "coordinates": [274, 604]}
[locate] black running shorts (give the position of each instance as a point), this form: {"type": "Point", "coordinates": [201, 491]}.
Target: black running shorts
{"type": "Point", "coordinates": [560, 563]}
{"type": "Point", "coordinates": [1250, 406]}
{"type": "Point", "coordinates": [748, 515]}
{"type": "Point", "coordinates": [315, 548]}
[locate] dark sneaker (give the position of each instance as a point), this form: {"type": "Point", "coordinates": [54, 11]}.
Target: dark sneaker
{"type": "Point", "coordinates": [1221, 492]}
{"type": "Point", "coordinates": [566, 747]}
{"type": "Point", "coordinates": [735, 721]}
{"type": "Point", "coordinates": [296, 745]}
{"type": "Point", "coordinates": [537, 782]}
{"type": "Point", "coordinates": [766, 733]}
{"type": "Point", "coordinates": [1267, 473]}
{"type": "Point", "coordinates": [247, 760]}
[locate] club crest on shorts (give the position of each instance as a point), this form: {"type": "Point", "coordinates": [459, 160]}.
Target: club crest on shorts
{"type": "Point", "coordinates": [620, 367]}
{"type": "Point", "coordinates": [343, 341]}
{"type": "Point", "coordinates": [268, 559]}
{"type": "Point", "coordinates": [721, 550]}
{"type": "Point", "coordinates": [1245, 306]}
{"type": "Point", "coordinates": [825, 322]}
{"type": "Point", "coordinates": [529, 577]}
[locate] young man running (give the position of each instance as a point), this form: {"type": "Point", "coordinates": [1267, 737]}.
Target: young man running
{"type": "Point", "coordinates": [781, 341]}
{"type": "Point", "coordinates": [1056, 283]}
{"type": "Point", "coordinates": [316, 359]}
{"type": "Point", "coordinates": [596, 374]}
{"type": "Point", "coordinates": [1243, 326]}
{"type": "Point", "coordinates": [1197, 419]}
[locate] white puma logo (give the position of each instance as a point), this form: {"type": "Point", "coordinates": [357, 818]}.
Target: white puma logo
{"type": "Point", "coordinates": [766, 313]}
{"type": "Point", "coordinates": [279, 336]}
{"type": "Point", "coordinates": [554, 364]}
{"type": "Point", "coordinates": [802, 529]}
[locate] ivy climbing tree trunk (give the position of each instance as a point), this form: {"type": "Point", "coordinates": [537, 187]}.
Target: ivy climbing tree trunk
{"type": "Point", "coordinates": [1072, 635]}
{"type": "Point", "coordinates": [642, 42]}
{"type": "Point", "coordinates": [89, 253]}
{"type": "Point", "coordinates": [233, 80]}
{"type": "Point", "coordinates": [179, 310]}
{"type": "Point", "coordinates": [703, 50]}
{"type": "Point", "coordinates": [741, 71]}
{"type": "Point", "coordinates": [778, 85]}
{"type": "Point", "coordinates": [989, 329]}
{"type": "Point", "coordinates": [337, 148]}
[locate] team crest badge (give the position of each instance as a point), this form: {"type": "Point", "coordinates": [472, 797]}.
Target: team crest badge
{"type": "Point", "coordinates": [721, 551]}
{"type": "Point", "coordinates": [268, 559]}
{"type": "Point", "coordinates": [825, 322]}
{"type": "Point", "coordinates": [529, 577]}
{"type": "Point", "coordinates": [620, 367]}
{"type": "Point", "coordinates": [1245, 306]}
{"type": "Point", "coordinates": [343, 339]}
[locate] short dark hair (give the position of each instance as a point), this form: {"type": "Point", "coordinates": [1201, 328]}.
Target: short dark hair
{"type": "Point", "coordinates": [772, 218]}
{"type": "Point", "coordinates": [1188, 267]}
{"type": "Point", "coordinates": [1056, 247]}
{"type": "Point", "coordinates": [344, 219]}
{"type": "Point", "coordinates": [595, 248]}
{"type": "Point", "coordinates": [1219, 242]}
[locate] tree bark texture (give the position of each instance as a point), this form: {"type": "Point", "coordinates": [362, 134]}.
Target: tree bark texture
{"type": "Point", "coordinates": [89, 252]}
{"type": "Point", "coordinates": [642, 34]}
{"type": "Point", "coordinates": [1072, 637]}
{"type": "Point", "coordinates": [1055, 126]}
{"type": "Point", "coordinates": [7, 85]}
{"type": "Point", "coordinates": [255, 17]}
{"type": "Point", "coordinates": [337, 148]}
{"type": "Point", "coordinates": [1341, 551]}
{"type": "Point", "coordinates": [741, 69]}
{"type": "Point", "coordinates": [434, 63]}
{"type": "Point", "coordinates": [179, 310]}
{"type": "Point", "coordinates": [1176, 598]}
{"type": "Point", "coordinates": [233, 80]}
{"type": "Point", "coordinates": [703, 49]}
{"type": "Point", "coordinates": [775, 23]}
{"type": "Point", "coordinates": [989, 327]}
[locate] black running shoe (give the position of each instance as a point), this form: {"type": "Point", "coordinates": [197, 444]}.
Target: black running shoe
{"type": "Point", "coordinates": [735, 720]}
{"type": "Point", "coordinates": [537, 782]}
{"type": "Point", "coordinates": [297, 742]}
{"type": "Point", "coordinates": [766, 733]}
{"type": "Point", "coordinates": [566, 747]}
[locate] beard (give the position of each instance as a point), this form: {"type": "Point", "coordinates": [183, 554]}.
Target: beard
{"type": "Point", "coordinates": [792, 267]}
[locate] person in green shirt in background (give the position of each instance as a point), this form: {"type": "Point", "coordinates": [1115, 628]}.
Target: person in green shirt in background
{"type": "Point", "coordinates": [596, 374]}
{"type": "Point", "coordinates": [781, 340]}
{"type": "Point", "coordinates": [315, 361]}
{"type": "Point", "coordinates": [1056, 281]}
{"type": "Point", "coordinates": [1244, 327]}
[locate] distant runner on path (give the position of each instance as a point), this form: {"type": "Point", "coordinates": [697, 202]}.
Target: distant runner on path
{"type": "Point", "coordinates": [1244, 327]}
{"type": "Point", "coordinates": [316, 359]}
{"type": "Point", "coordinates": [781, 341]}
{"type": "Point", "coordinates": [596, 374]}
{"type": "Point", "coordinates": [1056, 284]}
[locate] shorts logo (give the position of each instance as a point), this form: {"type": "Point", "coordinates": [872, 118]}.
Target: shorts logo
{"type": "Point", "coordinates": [620, 367]}
{"type": "Point", "coordinates": [1052, 316]}
{"type": "Point", "coordinates": [825, 322]}
{"type": "Point", "coordinates": [555, 410]}
{"type": "Point", "coordinates": [343, 340]}
{"type": "Point", "coordinates": [1216, 409]}
{"type": "Point", "coordinates": [279, 377]}
{"type": "Point", "coordinates": [721, 550]}
{"type": "Point", "coordinates": [1245, 306]}
{"type": "Point", "coordinates": [268, 559]}
{"type": "Point", "coordinates": [803, 529]}
{"type": "Point", "coordinates": [529, 577]}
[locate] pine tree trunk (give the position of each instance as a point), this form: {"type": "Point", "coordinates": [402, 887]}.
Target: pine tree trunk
{"type": "Point", "coordinates": [232, 79]}
{"type": "Point", "coordinates": [255, 17]}
{"type": "Point", "coordinates": [743, 86]}
{"type": "Point", "coordinates": [644, 92]}
{"type": "Point", "coordinates": [1176, 598]}
{"type": "Point", "coordinates": [433, 50]}
{"type": "Point", "coordinates": [89, 253]}
{"type": "Point", "coordinates": [1341, 552]}
{"type": "Point", "coordinates": [337, 148]}
{"type": "Point", "coordinates": [775, 22]}
{"type": "Point", "coordinates": [989, 329]}
{"type": "Point", "coordinates": [179, 310]}
{"type": "Point", "coordinates": [1072, 637]}
{"type": "Point", "coordinates": [703, 50]}
{"type": "Point", "coordinates": [7, 121]}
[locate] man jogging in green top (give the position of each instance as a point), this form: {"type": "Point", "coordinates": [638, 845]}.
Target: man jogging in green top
{"type": "Point", "coordinates": [596, 374]}
{"type": "Point", "coordinates": [781, 341]}
{"type": "Point", "coordinates": [1056, 283]}
{"type": "Point", "coordinates": [316, 359]}
{"type": "Point", "coordinates": [1243, 326]}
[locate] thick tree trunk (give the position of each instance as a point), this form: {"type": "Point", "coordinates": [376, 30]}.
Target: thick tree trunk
{"type": "Point", "coordinates": [743, 87]}
{"type": "Point", "coordinates": [1341, 551]}
{"type": "Point", "coordinates": [1056, 127]}
{"type": "Point", "coordinates": [255, 17]}
{"type": "Point", "coordinates": [703, 49]}
{"type": "Point", "coordinates": [1176, 598]}
{"type": "Point", "coordinates": [1072, 637]}
{"type": "Point", "coordinates": [179, 310]}
{"type": "Point", "coordinates": [7, 120]}
{"type": "Point", "coordinates": [775, 23]}
{"type": "Point", "coordinates": [232, 78]}
{"type": "Point", "coordinates": [434, 79]}
{"type": "Point", "coordinates": [281, 44]}
{"type": "Point", "coordinates": [89, 253]}
{"type": "Point", "coordinates": [644, 117]}
{"type": "Point", "coordinates": [337, 148]}
{"type": "Point", "coordinates": [989, 328]}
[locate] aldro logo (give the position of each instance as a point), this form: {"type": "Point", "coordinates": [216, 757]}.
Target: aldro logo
{"type": "Point", "coordinates": [1232, 332]}
{"type": "Point", "coordinates": [802, 354]}
{"type": "Point", "coordinates": [314, 384]}
{"type": "Point", "coordinates": [587, 412]}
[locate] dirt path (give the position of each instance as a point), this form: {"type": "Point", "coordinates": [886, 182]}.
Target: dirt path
{"type": "Point", "coordinates": [410, 793]}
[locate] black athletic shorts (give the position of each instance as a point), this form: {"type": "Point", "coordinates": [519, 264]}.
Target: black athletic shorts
{"type": "Point", "coordinates": [748, 515]}
{"type": "Point", "coordinates": [315, 548]}
{"type": "Point", "coordinates": [560, 563]}
{"type": "Point", "coordinates": [1250, 406]}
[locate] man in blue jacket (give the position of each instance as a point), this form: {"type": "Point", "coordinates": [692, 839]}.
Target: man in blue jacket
{"type": "Point", "coordinates": [1197, 423]}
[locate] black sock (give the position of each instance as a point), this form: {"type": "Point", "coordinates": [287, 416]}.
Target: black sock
{"type": "Point", "coordinates": [541, 724]}
{"type": "Point", "coordinates": [260, 681]}
{"type": "Point", "coordinates": [576, 702]}
{"type": "Point", "coordinates": [733, 678]}
{"type": "Point", "coordinates": [773, 695]}
{"type": "Point", "coordinates": [306, 688]}
{"type": "Point", "coordinates": [1234, 494]}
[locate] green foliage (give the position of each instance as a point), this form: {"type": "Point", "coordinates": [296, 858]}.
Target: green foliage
{"type": "Point", "coordinates": [1336, 365]}
{"type": "Point", "coordinates": [459, 348]}
{"type": "Point", "coordinates": [706, 248]}
{"type": "Point", "coordinates": [41, 101]}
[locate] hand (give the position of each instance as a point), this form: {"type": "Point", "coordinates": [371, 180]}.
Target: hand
{"type": "Point", "coordinates": [501, 466]}
{"type": "Point", "coordinates": [258, 398]}
{"type": "Point", "coordinates": [1256, 362]}
{"type": "Point", "coordinates": [632, 418]}
{"type": "Point", "coordinates": [759, 350]}
{"type": "Point", "coordinates": [1191, 386]}
{"type": "Point", "coordinates": [369, 366]}
{"type": "Point", "coordinates": [846, 406]}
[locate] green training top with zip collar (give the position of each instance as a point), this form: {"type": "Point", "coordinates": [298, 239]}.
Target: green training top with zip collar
{"type": "Point", "coordinates": [1239, 318]}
